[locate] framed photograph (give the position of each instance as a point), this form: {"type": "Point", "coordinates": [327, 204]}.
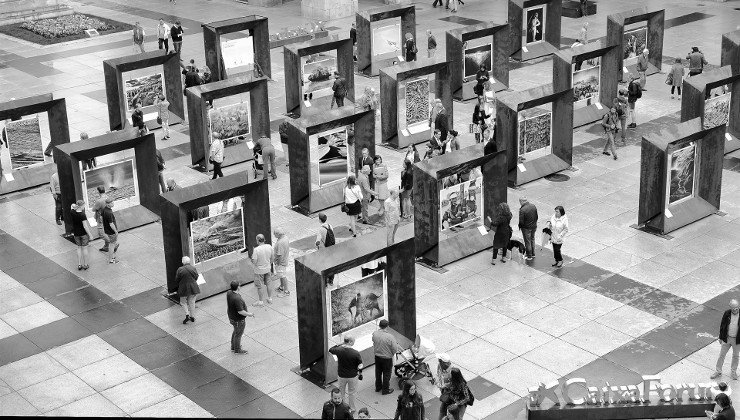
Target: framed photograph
{"type": "Point", "coordinates": [357, 303]}
{"type": "Point", "coordinates": [535, 135]}
{"type": "Point", "coordinates": [318, 73]}
{"type": "Point", "coordinates": [215, 236]}
{"type": "Point", "coordinates": [586, 85]}
{"type": "Point", "coordinates": [237, 55]}
{"type": "Point", "coordinates": [24, 143]}
{"type": "Point", "coordinates": [230, 123]}
{"type": "Point", "coordinates": [118, 179]}
{"type": "Point", "coordinates": [386, 40]}
{"type": "Point", "coordinates": [333, 165]}
{"type": "Point", "coordinates": [633, 42]}
{"type": "Point", "coordinates": [682, 171]}
{"type": "Point", "coordinates": [534, 24]}
{"type": "Point", "coordinates": [418, 101]}
{"type": "Point", "coordinates": [717, 110]}
{"type": "Point", "coordinates": [461, 203]}
{"type": "Point", "coordinates": [144, 89]}
{"type": "Point", "coordinates": [475, 57]}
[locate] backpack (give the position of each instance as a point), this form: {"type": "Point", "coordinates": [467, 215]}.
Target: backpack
{"type": "Point", "coordinates": [329, 241]}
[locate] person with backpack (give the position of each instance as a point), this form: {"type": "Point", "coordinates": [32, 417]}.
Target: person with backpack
{"type": "Point", "coordinates": [410, 48]}
{"type": "Point", "coordinates": [634, 92]}
{"type": "Point", "coordinates": [610, 122]}
{"type": "Point", "coordinates": [620, 102]}
{"type": "Point", "coordinates": [324, 239]}
{"type": "Point", "coordinates": [340, 90]}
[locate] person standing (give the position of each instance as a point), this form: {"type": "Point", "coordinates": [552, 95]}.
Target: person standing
{"type": "Point", "coordinates": [634, 92]}
{"type": "Point", "coordinates": [435, 106]}
{"type": "Point", "coordinates": [110, 230]}
{"type": "Point", "coordinates": [481, 78]}
{"type": "Point", "coordinates": [87, 163]}
{"type": "Point", "coordinates": [236, 309]}
{"type": "Point", "coordinates": [268, 156]}
{"type": "Point", "coordinates": [368, 160]}
{"type": "Point", "coordinates": [642, 67]}
{"type": "Point", "coordinates": [502, 224]}
{"type": "Point", "coordinates": [392, 209]}
{"type": "Point", "coordinates": [353, 37]}
{"type": "Point", "coordinates": [340, 90]}
{"type": "Point", "coordinates": [262, 261]}
{"type": "Point", "coordinates": [97, 209]}
{"type": "Point", "coordinates": [281, 257]}
{"type": "Point", "coordinates": [216, 156]}
{"type": "Point", "coordinates": [442, 380]}
{"type": "Point", "coordinates": [56, 192]}
{"type": "Point", "coordinates": [160, 171]}
{"type": "Point", "coordinates": [325, 236]}
{"type": "Point", "coordinates": [460, 395]}
{"type": "Point", "coordinates": [163, 113]}
{"type": "Point", "coordinates": [384, 348]}
{"type": "Point", "coordinates": [81, 233]}
{"type": "Point", "coordinates": [583, 8]}
{"type": "Point", "coordinates": [335, 408]}
{"type": "Point", "coordinates": [528, 225]}
{"type": "Point", "coordinates": [176, 35]}
{"type": "Point", "coordinates": [349, 367]}
{"type": "Point", "coordinates": [139, 35]}
{"type": "Point", "coordinates": [696, 61]}
{"type": "Point", "coordinates": [728, 330]}
{"type": "Point", "coordinates": [380, 174]}
{"type": "Point", "coordinates": [622, 105]}
{"type": "Point", "coordinates": [191, 75]}
{"type": "Point", "coordinates": [431, 44]}
{"type": "Point", "coordinates": [137, 120]}
{"type": "Point", "coordinates": [163, 34]}
{"type": "Point", "coordinates": [186, 277]}
{"type": "Point", "coordinates": [434, 5]}
{"type": "Point", "coordinates": [407, 186]}
{"type": "Point", "coordinates": [610, 122]}
{"type": "Point", "coordinates": [410, 48]}
{"type": "Point", "coordinates": [558, 224]}
{"type": "Point", "coordinates": [363, 180]}
{"type": "Point", "coordinates": [352, 203]}
{"type": "Point", "coordinates": [410, 403]}
{"type": "Point", "coordinates": [676, 77]}
{"type": "Point", "coordinates": [479, 119]}
{"type": "Point", "coordinates": [441, 123]}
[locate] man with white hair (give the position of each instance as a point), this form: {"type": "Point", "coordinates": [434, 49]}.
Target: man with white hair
{"type": "Point", "coordinates": [642, 67]}
{"type": "Point", "coordinates": [728, 329]}
{"type": "Point", "coordinates": [262, 260]}
{"type": "Point", "coordinates": [187, 288]}
{"type": "Point", "coordinates": [281, 254]}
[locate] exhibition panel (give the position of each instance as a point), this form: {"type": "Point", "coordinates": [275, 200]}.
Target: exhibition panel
{"type": "Point", "coordinates": [407, 93]}
{"type": "Point", "coordinates": [594, 85]}
{"type": "Point", "coordinates": [468, 48]}
{"type": "Point", "coordinates": [229, 52]}
{"type": "Point", "coordinates": [680, 175]}
{"type": "Point", "coordinates": [635, 30]}
{"type": "Point", "coordinates": [212, 222]}
{"type": "Point", "coordinates": [29, 127]}
{"type": "Point", "coordinates": [356, 299]}
{"type": "Point", "coordinates": [309, 73]}
{"type": "Point", "coordinates": [381, 35]}
{"type": "Point", "coordinates": [126, 167]}
{"type": "Point", "coordinates": [534, 28]}
{"type": "Point", "coordinates": [232, 110]}
{"type": "Point", "coordinates": [142, 78]}
{"type": "Point", "coordinates": [454, 194]}
{"type": "Point", "coordinates": [323, 148]}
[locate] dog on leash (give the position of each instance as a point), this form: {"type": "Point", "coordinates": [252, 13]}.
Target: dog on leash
{"type": "Point", "coordinates": [519, 246]}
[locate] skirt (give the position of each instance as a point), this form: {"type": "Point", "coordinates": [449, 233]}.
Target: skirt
{"type": "Point", "coordinates": [353, 209]}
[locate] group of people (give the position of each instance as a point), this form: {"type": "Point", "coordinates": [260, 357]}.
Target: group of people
{"type": "Point", "coordinates": [165, 32]}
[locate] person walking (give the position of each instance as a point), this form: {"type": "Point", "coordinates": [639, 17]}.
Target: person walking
{"type": "Point", "coordinates": [728, 331]}
{"type": "Point", "coordinates": [380, 174]}
{"type": "Point", "coordinates": [431, 44]}
{"type": "Point", "coordinates": [340, 90]}
{"type": "Point", "coordinates": [410, 403]}
{"type": "Point", "coordinates": [479, 119]}
{"type": "Point", "coordinates": [558, 225]}
{"type": "Point", "coordinates": [528, 225]}
{"type": "Point", "coordinates": [460, 395]}
{"type": "Point", "coordinates": [676, 77]}
{"type": "Point", "coordinates": [325, 236]}
{"type": "Point", "coordinates": [442, 380]}
{"type": "Point", "coordinates": [139, 35]}
{"type": "Point", "coordinates": [262, 261]}
{"type": "Point", "coordinates": [56, 192]}
{"type": "Point", "coordinates": [696, 61]}
{"type": "Point", "coordinates": [622, 106]}
{"type": "Point", "coordinates": [634, 92]}
{"type": "Point", "coordinates": [335, 408]}
{"type": "Point", "coordinates": [392, 215]}
{"type": "Point", "coordinates": [502, 225]}
{"type": "Point", "coordinates": [610, 122]}
{"type": "Point", "coordinates": [407, 186]}
{"type": "Point", "coordinates": [410, 48]}
{"type": "Point", "coordinates": [384, 348]}
{"type": "Point", "coordinates": [268, 156]}
{"type": "Point", "coordinates": [281, 256]}
{"type": "Point", "coordinates": [110, 230]}
{"type": "Point", "coordinates": [436, 2]}
{"type": "Point", "coordinates": [216, 156]}
{"type": "Point", "coordinates": [236, 309]}
{"type": "Point", "coordinates": [363, 180]}
{"type": "Point", "coordinates": [186, 277]}
{"type": "Point", "coordinates": [163, 34]}
{"type": "Point", "coordinates": [352, 203]}
{"type": "Point", "coordinates": [349, 369]}
{"type": "Point", "coordinates": [642, 67]}
{"type": "Point", "coordinates": [81, 233]}
{"type": "Point", "coordinates": [160, 171]}
{"type": "Point", "coordinates": [176, 35]}
{"type": "Point", "coordinates": [163, 115]}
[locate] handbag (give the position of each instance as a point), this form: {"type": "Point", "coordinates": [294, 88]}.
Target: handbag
{"type": "Point", "coordinates": [669, 79]}
{"type": "Point", "coordinates": [159, 120]}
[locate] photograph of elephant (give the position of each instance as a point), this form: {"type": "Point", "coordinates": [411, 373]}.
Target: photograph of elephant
{"type": "Point", "coordinates": [358, 303]}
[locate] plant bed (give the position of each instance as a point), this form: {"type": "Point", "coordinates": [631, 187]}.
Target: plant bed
{"type": "Point", "coordinates": [62, 28]}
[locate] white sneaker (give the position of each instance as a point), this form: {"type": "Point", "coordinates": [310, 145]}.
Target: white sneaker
{"type": "Point", "coordinates": [259, 303]}
{"type": "Point", "coordinates": [269, 300]}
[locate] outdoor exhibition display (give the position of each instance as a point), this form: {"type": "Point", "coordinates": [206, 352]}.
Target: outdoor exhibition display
{"type": "Point", "coordinates": [309, 74]}
{"type": "Point", "coordinates": [534, 28]}
{"type": "Point", "coordinates": [635, 30]}
{"type": "Point", "coordinates": [469, 48]}
{"type": "Point", "coordinates": [28, 128]}
{"type": "Point", "coordinates": [231, 52]}
{"type": "Point", "coordinates": [381, 36]}
{"type": "Point", "coordinates": [680, 175]}
{"type": "Point", "coordinates": [594, 85]}
{"type": "Point", "coordinates": [407, 93]}
{"type": "Point", "coordinates": [142, 78]}
{"type": "Point", "coordinates": [323, 149]}
{"type": "Point", "coordinates": [232, 110]}
{"type": "Point", "coordinates": [212, 222]}
{"type": "Point", "coordinates": [356, 299]}
{"type": "Point", "coordinates": [453, 195]}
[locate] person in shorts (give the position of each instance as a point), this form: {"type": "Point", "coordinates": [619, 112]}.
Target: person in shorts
{"type": "Point", "coordinates": [262, 260]}
{"type": "Point", "coordinates": [97, 209]}
{"type": "Point", "coordinates": [281, 254]}
{"type": "Point", "coordinates": [110, 230]}
{"type": "Point", "coordinates": [81, 233]}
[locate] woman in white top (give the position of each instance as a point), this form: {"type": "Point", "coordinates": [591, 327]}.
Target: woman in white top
{"type": "Point", "coordinates": [163, 111]}
{"type": "Point", "coordinates": [558, 224]}
{"type": "Point", "coordinates": [353, 202]}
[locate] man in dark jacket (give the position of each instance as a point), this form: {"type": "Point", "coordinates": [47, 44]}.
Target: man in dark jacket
{"type": "Point", "coordinates": [191, 75]}
{"type": "Point", "coordinates": [340, 90]}
{"type": "Point", "coordinates": [528, 225]}
{"type": "Point", "coordinates": [176, 35]}
{"type": "Point", "coordinates": [335, 408]}
{"type": "Point", "coordinates": [728, 330]}
{"type": "Point", "coordinates": [634, 92]}
{"type": "Point", "coordinates": [349, 367]}
{"type": "Point", "coordinates": [441, 124]}
{"type": "Point", "coordinates": [696, 61]}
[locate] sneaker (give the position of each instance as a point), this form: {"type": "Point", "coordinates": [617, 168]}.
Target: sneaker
{"type": "Point", "coordinates": [733, 375]}
{"type": "Point", "coordinates": [606, 153]}
{"type": "Point", "coordinates": [632, 125]}
{"type": "Point", "coordinates": [715, 375]}
{"type": "Point", "coordinates": [259, 303]}
{"type": "Point", "coordinates": [113, 261]}
{"type": "Point", "coordinates": [388, 391]}
{"type": "Point", "coordinates": [269, 300]}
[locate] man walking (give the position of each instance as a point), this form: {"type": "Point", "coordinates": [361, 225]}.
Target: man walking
{"type": "Point", "coordinates": [634, 92]}
{"type": "Point", "coordinates": [696, 61]}
{"type": "Point", "coordinates": [384, 347]}
{"type": "Point", "coordinates": [431, 44]}
{"type": "Point", "coordinates": [728, 329]}
{"type": "Point", "coordinates": [216, 156]}
{"type": "Point", "coordinates": [139, 35]}
{"type": "Point", "coordinates": [236, 309]}
{"type": "Point", "coordinates": [176, 35]}
{"type": "Point", "coordinates": [56, 192]}
{"type": "Point", "coordinates": [163, 34]}
{"type": "Point", "coordinates": [268, 156]}
{"type": "Point", "coordinates": [610, 122]}
{"type": "Point", "coordinates": [528, 225]}
{"type": "Point", "coordinates": [642, 67]}
{"type": "Point", "coordinates": [349, 367]}
{"type": "Point", "coordinates": [335, 408]}
{"type": "Point", "coordinates": [620, 102]}
{"type": "Point", "coordinates": [98, 207]}
{"type": "Point", "coordinates": [363, 180]}
{"type": "Point", "coordinates": [340, 90]}
{"type": "Point", "coordinates": [262, 260]}
{"type": "Point", "coordinates": [110, 230]}
{"type": "Point", "coordinates": [281, 252]}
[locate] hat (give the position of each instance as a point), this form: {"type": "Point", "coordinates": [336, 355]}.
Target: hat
{"type": "Point", "coordinates": [383, 323]}
{"type": "Point", "coordinates": [443, 357]}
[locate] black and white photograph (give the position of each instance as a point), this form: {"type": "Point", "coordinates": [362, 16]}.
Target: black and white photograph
{"type": "Point", "coordinates": [318, 74]}
{"type": "Point", "coordinates": [717, 110]}
{"type": "Point", "coordinates": [333, 165]}
{"type": "Point", "coordinates": [237, 55]}
{"type": "Point", "coordinates": [23, 143]}
{"type": "Point", "coordinates": [535, 133]}
{"type": "Point", "coordinates": [144, 90]}
{"type": "Point", "coordinates": [417, 101]}
{"type": "Point", "coordinates": [461, 204]}
{"type": "Point", "coordinates": [534, 24]}
{"type": "Point", "coordinates": [214, 236]}
{"type": "Point", "coordinates": [119, 181]}
{"type": "Point", "coordinates": [230, 123]}
{"type": "Point", "coordinates": [386, 40]}
{"type": "Point", "coordinates": [475, 57]}
{"type": "Point", "coordinates": [682, 173]}
{"type": "Point", "coordinates": [357, 303]}
{"type": "Point", "coordinates": [634, 41]}
{"type": "Point", "coordinates": [586, 84]}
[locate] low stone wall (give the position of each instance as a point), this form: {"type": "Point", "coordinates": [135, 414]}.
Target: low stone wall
{"type": "Point", "coordinates": [14, 11]}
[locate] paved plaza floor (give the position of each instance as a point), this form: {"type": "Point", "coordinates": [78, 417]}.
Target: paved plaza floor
{"type": "Point", "coordinates": [104, 342]}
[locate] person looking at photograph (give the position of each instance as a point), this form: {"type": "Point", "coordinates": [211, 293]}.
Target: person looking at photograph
{"type": "Point", "coordinates": [236, 309]}
{"type": "Point", "coordinates": [262, 261]}
{"type": "Point", "coordinates": [81, 232]}
{"type": "Point", "coordinates": [410, 48]}
{"type": "Point", "coordinates": [363, 181]}
{"type": "Point", "coordinates": [281, 257]}
{"type": "Point", "coordinates": [349, 369]}
{"type": "Point", "coordinates": [137, 120]}
{"type": "Point", "coordinates": [56, 192]}
{"type": "Point", "coordinates": [610, 122]}
{"type": "Point", "coordinates": [431, 44]}
{"type": "Point", "coordinates": [528, 225]}
{"type": "Point", "coordinates": [407, 186]}
{"type": "Point", "coordinates": [380, 174]}
{"type": "Point", "coordinates": [160, 171]}
{"type": "Point", "coordinates": [216, 155]}
{"type": "Point", "coordinates": [163, 115]}
{"type": "Point", "coordinates": [481, 78]}
{"type": "Point", "coordinates": [441, 123]}
{"type": "Point", "coordinates": [352, 203]}
{"type": "Point", "coordinates": [435, 107]}
{"type": "Point", "coordinates": [97, 209]}
{"type": "Point", "coordinates": [87, 163]}
{"type": "Point", "coordinates": [340, 90]}
{"type": "Point", "coordinates": [642, 67]}
{"type": "Point", "coordinates": [634, 92]}
{"type": "Point", "coordinates": [558, 224]}
{"type": "Point", "coordinates": [268, 156]}
{"type": "Point", "coordinates": [110, 230]}
{"type": "Point", "coordinates": [392, 212]}
{"type": "Point", "coordinates": [410, 403]}
{"type": "Point", "coordinates": [186, 277]}
{"type": "Point", "coordinates": [502, 225]}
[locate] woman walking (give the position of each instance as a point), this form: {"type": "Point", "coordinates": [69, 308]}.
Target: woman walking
{"type": "Point", "coordinates": [352, 202]}
{"type": "Point", "coordinates": [407, 185]}
{"type": "Point", "coordinates": [558, 224]}
{"type": "Point", "coordinates": [610, 122]}
{"type": "Point", "coordinates": [163, 115]}
{"type": "Point", "coordinates": [410, 403]}
{"type": "Point", "coordinates": [187, 288]}
{"type": "Point", "coordinates": [502, 224]}
{"type": "Point", "coordinates": [410, 47]}
{"type": "Point", "coordinates": [459, 397]}
{"type": "Point", "coordinates": [380, 174]}
{"type": "Point", "coordinates": [676, 77]}
{"type": "Point", "coordinates": [82, 233]}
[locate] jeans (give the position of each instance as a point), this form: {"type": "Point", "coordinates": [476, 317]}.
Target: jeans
{"type": "Point", "coordinates": [431, 52]}
{"type": "Point", "coordinates": [528, 235]}
{"type": "Point", "coordinates": [383, 367]}
{"type": "Point", "coordinates": [236, 336]}
{"type": "Point", "coordinates": [351, 388]}
{"type": "Point", "coordinates": [140, 46]}
{"type": "Point", "coordinates": [58, 207]}
{"type": "Point", "coordinates": [723, 353]}
{"type": "Point", "coordinates": [339, 100]}
{"type": "Point", "coordinates": [556, 251]}
{"type": "Point", "coordinates": [217, 170]}
{"type": "Point", "coordinates": [268, 155]}
{"type": "Point", "coordinates": [188, 303]}
{"type": "Point", "coordinates": [610, 142]}
{"type": "Point", "coordinates": [165, 42]}
{"type": "Point", "coordinates": [177, 46]}
{"type": "Point", "coordinates": [632, 112]}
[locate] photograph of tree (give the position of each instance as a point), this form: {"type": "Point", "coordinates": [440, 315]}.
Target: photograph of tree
{"type": "Point", "coordinates": [535, 133]}
{"type": "Point", "coordinates": [633, 42]}
{"type": "Point", "coordinates": [318, 73]}
{"type": "Point", "coordinates": [237, 55]}
{"type": "Point", "coordinates": [230, 123]}
{"type": "Point", "coordinates": [681, 175]}
{"type": "Point", "coordinates": [332, 153]}
{"type": "Point", "coordinates": [586, 84]}
{"type": "Point", "coordinates": [144, 89]}
{"type": "Point", "coordinates": [460, 203]}
{"type": "Point", "coordinates": [387, 40]}
{"type": "Point", "coordinates": [215, 236]}
{"type": "Point", "coordinates": [717, 110]}
{"type": "Point", "coordinates": [24, 143]}
{"type": "Point", "coordinates": [475, 57]}
{"type": "Point", "coordinates": [119, 181]}
{"type": "Point", "coordinates": [534, 24]}
{"type": "Point", "coordinates": [358, 303]}
{"type": "Point", "coordinates": [417, 101]}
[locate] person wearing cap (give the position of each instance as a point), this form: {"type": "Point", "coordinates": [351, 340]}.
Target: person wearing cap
{"type": "Point", "coordinates": [728, 330]}
{"type": "Point", "coordinates": [81, 232]}
{"type": "Point", "coordinates": [385, 347]}
{"type": "Point", "coordinates": [236, 309]}
{"type": "Point", "coordinates": [281, 255]}
{"type": "Point", "coordinates": [187, 288]}
{"type": "Point", "coordinates": [110, 230]}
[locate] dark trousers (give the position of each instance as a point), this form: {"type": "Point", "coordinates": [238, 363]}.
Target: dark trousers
{"type": "Point", "coordinates": [383, 373]}
{"type": "Point", "coordinates": [528, 235]}
{"type": "Point", "coordinates": [177, 46]}
{"type": "Point", "coordinates": [339, 101]}
{"type": "Point", "coordinates": [58, 207]}
{"type": "Point", "coordinates": [236, 336]}
{"type": "Point", "coordinates": [556, 251]}
{"type": "Point", "coordinates": [503, 253]}
{"type": "Point", "coordinates": [694, 72]}
{"type": "Point", "coordinates": [436, 2]}
{"type": "Point", "coordinates": [165, 42]}
{"type": "Point", "coordinates": [674, 87]}
{"type": "Point", "coordinates": [217, 170]}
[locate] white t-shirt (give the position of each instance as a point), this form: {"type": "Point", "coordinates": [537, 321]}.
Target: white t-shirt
{"type": "Point", "coordinates": [352, 194]}
{"type": "Point", "coordinates": [732, 331]}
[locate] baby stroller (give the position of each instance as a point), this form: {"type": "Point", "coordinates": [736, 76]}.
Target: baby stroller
{"type": "Point", "coordinates": [414, 361]}
{"type": "Point", "coordinates": [257, 162]}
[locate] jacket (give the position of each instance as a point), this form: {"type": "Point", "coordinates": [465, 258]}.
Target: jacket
{"type": "Point", "coordinates": [503, 231]}
{"type": "Point", "coordinates": [559, 228]}
{"type": "Point", "coordinates": [633, 90]}
{"type": "Point", "coordinates": [479, 115]}
{"type": "Point", "coordinates": [412, 410]}
{"type": "Point", "coordinates": [332, 411]}
{"type": "Point", "coordinates": [727, 413]}
{"type": "Point", "coordinates": [410, 50]}
{"type": "Point", "coordinates": [216, 153]}
{"type": "Point", "coordinates": [609, 120]}
{"type": "Point", "coordinates": [187, 281]}
{"type": "Point", "coordinates": [642, 63]}
{"type": "Point", "coordinates": [677, 72]}
{"type": "Point", "coordinates": [431, 43]}
{"type": "Point", "coordinates": [724, 326]}
{"type": "Point", "coordinates": [339, 87]}
{"type": "Point", "coordinates": [528, 216]}
{"type": "Point", "coordinates": [696, 61]}
{"type": "Point", "coordinates": [441, 124]}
